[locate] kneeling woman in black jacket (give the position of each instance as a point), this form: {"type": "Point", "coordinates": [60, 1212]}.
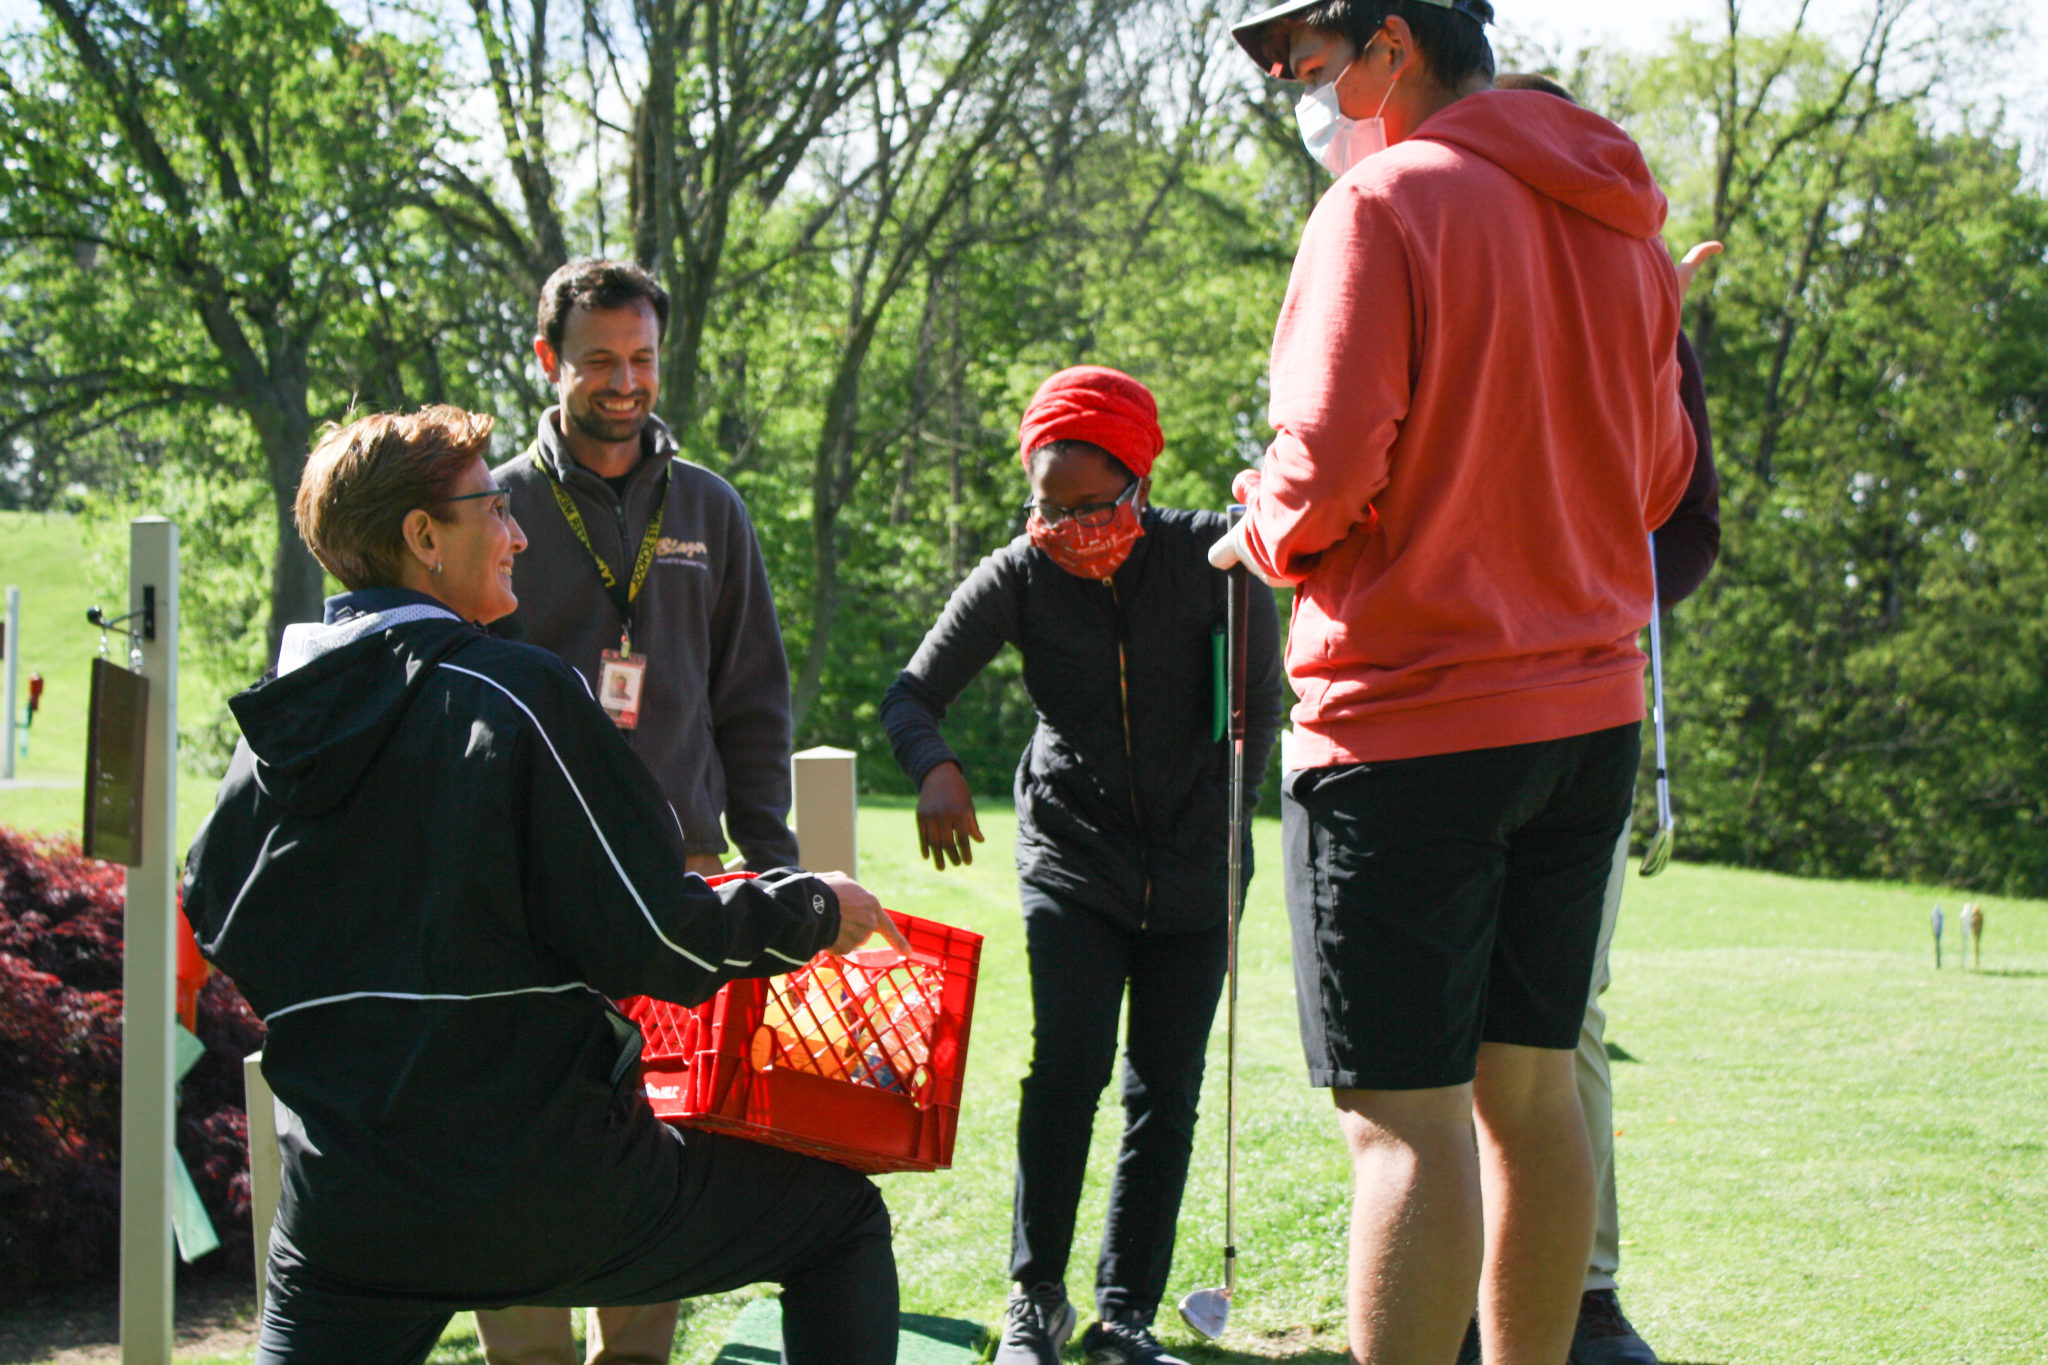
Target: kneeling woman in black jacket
{"type": "Point", "coordinates": [433, 864]}
{"type": "Point", "coordinates": [1122, 833]}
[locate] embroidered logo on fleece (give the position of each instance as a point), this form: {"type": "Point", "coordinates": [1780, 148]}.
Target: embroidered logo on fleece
{"type": "Point", "coordinates": [671, 551]}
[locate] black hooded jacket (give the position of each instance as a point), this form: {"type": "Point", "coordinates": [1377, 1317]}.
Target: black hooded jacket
{"type": "Point", "coordinates": [433, 863]}
{"type": "Point", "coordinates": [1123, 791]}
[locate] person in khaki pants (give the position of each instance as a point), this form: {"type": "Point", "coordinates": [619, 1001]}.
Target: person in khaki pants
{"type": "Point", "coordinates": [655, 591]}
{"type": "Point", "coordinates": [640, 1335]}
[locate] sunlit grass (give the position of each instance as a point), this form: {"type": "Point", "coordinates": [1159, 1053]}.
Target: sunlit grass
{"type": "Point", "coordinates": [1829, 1153]}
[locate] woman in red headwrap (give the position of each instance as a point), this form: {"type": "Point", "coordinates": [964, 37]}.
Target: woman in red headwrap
{"type": "Point", "coordinates": [1122, 832]}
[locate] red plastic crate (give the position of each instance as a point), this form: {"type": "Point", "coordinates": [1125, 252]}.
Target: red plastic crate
{"type": "Point", "coordinates": [859, 1062]}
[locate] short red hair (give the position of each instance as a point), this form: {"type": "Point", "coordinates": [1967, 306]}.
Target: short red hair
{"type": "Point", "coordinates": [362, 479]}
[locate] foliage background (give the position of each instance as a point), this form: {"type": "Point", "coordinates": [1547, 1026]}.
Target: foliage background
{"type": "Point", "coordinates": [60, 1077]}
{"type": "Point", "coordinates": [886, 220]}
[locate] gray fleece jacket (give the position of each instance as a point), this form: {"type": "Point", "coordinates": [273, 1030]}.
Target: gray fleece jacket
{"type": "Point", "coordinates": [714, 713]}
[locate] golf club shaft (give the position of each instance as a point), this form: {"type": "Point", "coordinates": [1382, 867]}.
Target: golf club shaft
{"type": "Point", "coordinates": [1657, 692]}
{"type": "Point", "coordinates": [1236, 624]}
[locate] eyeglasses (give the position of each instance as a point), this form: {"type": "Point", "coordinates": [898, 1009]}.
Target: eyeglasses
{"type": "Point", "coordinates": [1093, 515]}
{"type": "Point", "coordinates": [503, 495]}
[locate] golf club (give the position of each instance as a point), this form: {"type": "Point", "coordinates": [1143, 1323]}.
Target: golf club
{"type": "Point", "coordinates": [1658, 854]}
{"type": "Point", "coordinates": [1208, 1310]}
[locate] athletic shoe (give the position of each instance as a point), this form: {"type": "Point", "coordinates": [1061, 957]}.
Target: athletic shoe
{"type": "Point", "coordinates": [1124, 1341]}
{"type": "Point", "coordinates": [1604, 1336]}
{"type": "Point", "coordinates": [1036, 1325]}
{"type": "Point", "coordinates": [1468, 1353]}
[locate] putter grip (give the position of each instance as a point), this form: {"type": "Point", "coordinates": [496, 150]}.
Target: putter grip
{"type": "Point", "coordinates": [1236, 628]}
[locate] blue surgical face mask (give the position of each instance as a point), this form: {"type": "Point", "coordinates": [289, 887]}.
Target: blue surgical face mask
{"type": "Point", "coordinates": [1334, 138]}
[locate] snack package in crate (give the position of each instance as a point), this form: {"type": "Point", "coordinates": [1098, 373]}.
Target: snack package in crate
{"type": "Point", "coordinates": [857, 1059]}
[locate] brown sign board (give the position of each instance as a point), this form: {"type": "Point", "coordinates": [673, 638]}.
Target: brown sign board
{"type": "Point", "coordinates": [116, 732]}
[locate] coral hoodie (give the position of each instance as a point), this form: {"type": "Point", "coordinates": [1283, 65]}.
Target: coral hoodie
{"type": "Point", "coordinates": [1475, 394]}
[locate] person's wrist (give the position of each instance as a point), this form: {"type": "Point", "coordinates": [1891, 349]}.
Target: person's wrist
{"type": "Point", "coordinates": [828, 917]}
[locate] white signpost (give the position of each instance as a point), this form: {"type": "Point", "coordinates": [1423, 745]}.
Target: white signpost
{"type": "Point", "coordinates": [827, 805]}
{"type": "Point", "coordinates": [149, 964]}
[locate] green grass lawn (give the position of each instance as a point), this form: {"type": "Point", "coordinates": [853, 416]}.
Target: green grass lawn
{"type": "Point", "coordinates": [1829, 1154]}
{"type": "Point", "coordinates": [46, 557]}
{"type": "Point", "coordinates": [41, 555]}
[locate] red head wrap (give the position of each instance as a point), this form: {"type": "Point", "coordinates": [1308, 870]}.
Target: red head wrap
{"type": "Point", "coordinates": [1101, 406]}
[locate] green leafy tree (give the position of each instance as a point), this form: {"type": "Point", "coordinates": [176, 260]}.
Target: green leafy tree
{"type": "Point", "coordinates": [208, 202]}
{"type": "Point", "coordinates": [1859, 688]}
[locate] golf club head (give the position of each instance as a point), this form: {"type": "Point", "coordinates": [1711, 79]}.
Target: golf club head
{"type": "Point", "coordinates": [1658, 855]}
{"type": "Point", "coordinates": [1207, 1311]}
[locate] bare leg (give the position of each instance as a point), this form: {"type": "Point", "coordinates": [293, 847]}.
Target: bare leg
{"type": "Point", "coordinates": [643, 1334]}
{"type": "Point", "coordinates": [1415, 1223]}
{"type": "Point", "coordinates": [1538, 1174]}
{"type": "Point", "coordinates": [527, 1336]}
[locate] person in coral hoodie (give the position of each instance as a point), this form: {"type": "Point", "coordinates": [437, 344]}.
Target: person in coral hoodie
{"type": "Point", "coordinates": [1475, 394]}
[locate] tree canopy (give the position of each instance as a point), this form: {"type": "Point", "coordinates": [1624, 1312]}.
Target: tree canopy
{"type": "Point", "coordinates": [883, 221]}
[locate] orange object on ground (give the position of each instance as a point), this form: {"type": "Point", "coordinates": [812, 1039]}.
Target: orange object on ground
{"type": "Point", "coordinates": [858, 1060]}
{"type": "Point", "coordinates": [192, 973]}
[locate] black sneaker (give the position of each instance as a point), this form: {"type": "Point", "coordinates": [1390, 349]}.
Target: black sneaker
{"type": "Point", "coordinates": [1604, 1336]}
{"type": "Point", "coordinates": [1468, 1353]}
{"type": "Point", "coordinates": [1124, 1341]}
{"type": "Point", "coordinates": [1036, 1325]}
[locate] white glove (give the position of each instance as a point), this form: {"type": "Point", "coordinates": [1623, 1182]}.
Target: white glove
{"type": "Point", "coordinates": [1229, 551]}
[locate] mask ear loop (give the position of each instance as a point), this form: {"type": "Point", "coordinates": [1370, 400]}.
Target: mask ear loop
{"type": "Point", "coordinates": [1399, 71]}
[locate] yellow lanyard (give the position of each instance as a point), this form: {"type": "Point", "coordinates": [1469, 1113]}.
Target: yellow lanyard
{"type": "Point", "coordinates": [641, 564]}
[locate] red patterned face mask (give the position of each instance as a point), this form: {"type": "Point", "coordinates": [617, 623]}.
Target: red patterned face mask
{"type": "Point", "coordinates": [1089, 551]}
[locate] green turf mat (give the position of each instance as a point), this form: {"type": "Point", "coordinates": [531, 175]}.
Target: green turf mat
{"type": "Point", "coordinates": [757, 1338]}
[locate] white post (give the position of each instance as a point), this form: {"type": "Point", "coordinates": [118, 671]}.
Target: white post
{"type": "Point", "coordinates": [827, 805]}
{"type": "Point", "coordinates": [12, 671]}
{"type": "Point", "coordinates": [266, 1165]}
{"type": "Point", "coordinates": [150, 962]}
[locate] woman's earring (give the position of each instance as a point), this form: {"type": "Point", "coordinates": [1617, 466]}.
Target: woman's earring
{"type": "Point", "coordinates": [437, 566]}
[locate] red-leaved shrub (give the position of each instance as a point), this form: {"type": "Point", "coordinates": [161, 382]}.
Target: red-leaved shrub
{"type": "Point", "coordinates": [60, 1076]}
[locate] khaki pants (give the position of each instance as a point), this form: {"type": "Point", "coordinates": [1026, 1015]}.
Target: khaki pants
{"type": "Point", "coordinates": [1596, 1089]}
{"type": "Point", "coordinates": [640, 1335]}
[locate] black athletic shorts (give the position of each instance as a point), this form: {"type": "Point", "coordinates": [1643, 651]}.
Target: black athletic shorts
{"type": "Point", "coordinates": [1446, 901]}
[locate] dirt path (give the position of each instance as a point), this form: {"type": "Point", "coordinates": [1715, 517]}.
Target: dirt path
{"type": "Point", "coordinates": [216, 1316]}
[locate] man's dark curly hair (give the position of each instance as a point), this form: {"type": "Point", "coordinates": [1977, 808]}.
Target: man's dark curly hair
{"type": "Point", "coordinates": [1452, 41]}
{"type": "Point", "coordinates": [596, 284]}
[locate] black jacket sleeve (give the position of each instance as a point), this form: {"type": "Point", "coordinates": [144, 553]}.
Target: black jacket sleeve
{"type": "Point", "coordinates": [750, 716]}
{"type": "Point", "coordinates": [1689, 542]}
{"type": "Point", "coordinates": [980, 618]}
{"type": "Point", "coordinates": [604, 880]}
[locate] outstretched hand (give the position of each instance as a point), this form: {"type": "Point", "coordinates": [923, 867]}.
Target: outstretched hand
{"type": "Point", "coordinates": [861, 917]}
{"type": "Point", "coordinates": [1694, 260]}
{"type": "Point", "coordinates": [945, 817]}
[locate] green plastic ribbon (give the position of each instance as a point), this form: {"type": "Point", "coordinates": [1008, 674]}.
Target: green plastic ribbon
{"type": "Point", "coordinates": [189, 1220]}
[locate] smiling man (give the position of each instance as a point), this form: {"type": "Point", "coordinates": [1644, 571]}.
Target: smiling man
{"type": "Point", "coordinates": [645, 574]}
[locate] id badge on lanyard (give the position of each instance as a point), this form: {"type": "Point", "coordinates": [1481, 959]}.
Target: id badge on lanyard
{"type": "Point", "coordinates": [622, 674]}
{"type": "Point", "coordinates": [620, 678]}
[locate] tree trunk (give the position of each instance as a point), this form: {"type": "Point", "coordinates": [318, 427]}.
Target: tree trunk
{"type": "Point", "coordinates": [830, 484]}
{"type": "Point", "coordinates": [654, 142]}
{"type": "Point", "coordinates": [957, 438]}
{"type": "Point", "coordinates": [297, 582]}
